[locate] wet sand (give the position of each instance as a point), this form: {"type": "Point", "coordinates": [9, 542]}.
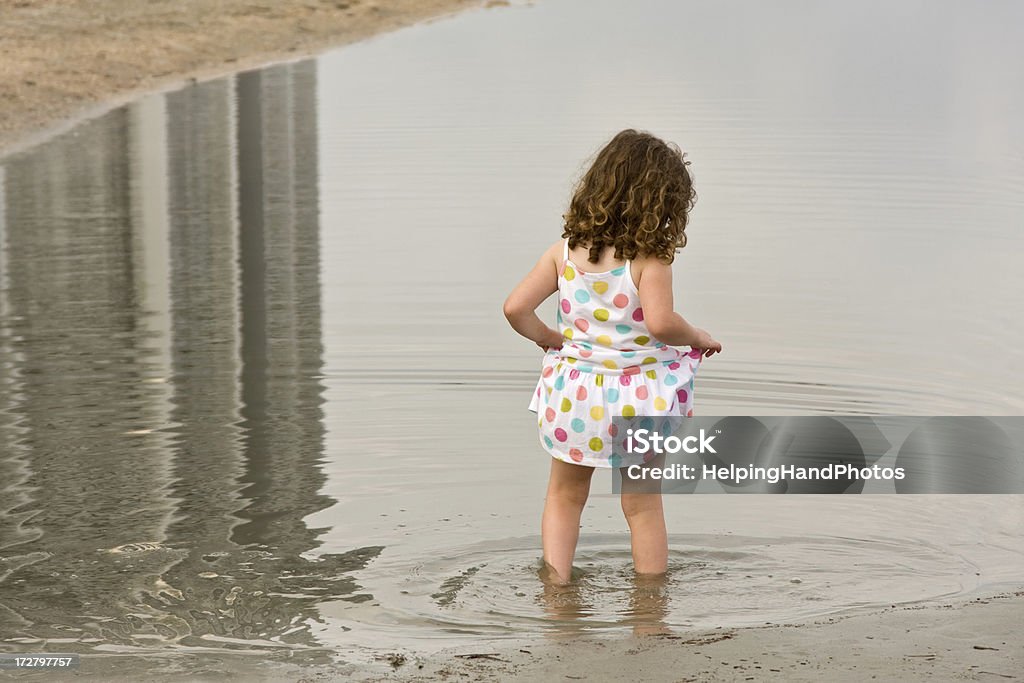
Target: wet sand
{"type": "Point", "coordinates": [976, 640]}
{"type": "Point", "coordinates": [63, 58]}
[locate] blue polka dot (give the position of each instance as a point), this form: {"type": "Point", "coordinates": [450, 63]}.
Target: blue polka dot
{"type": "Point", "coordinates": [671, 379]}
{"type": "Point", "coordinates": [619, 271]}
{"type": "Point", "coordinates": [582, 296]}
{"type": "Point", "coordinates": [548, 443]}
{"type": "Point", "coordinates": [613, 395]}
{"type": "Point", "coordinates": [615, 460]}
{"type": "Point", "coordinates": [628, 354]}
{"type": "Point", "coordinates": [623, 329]}
{"type": "Point", "coordinates": [586, 368]}
{"type": "Point", "coordinates": [559, 382]}
{"type": "Point", "coordinates": [578, 425]}
{"type": "Point", "coordinates": [647, 423]}
{"type": "Point", "coordinates": [586, 345]}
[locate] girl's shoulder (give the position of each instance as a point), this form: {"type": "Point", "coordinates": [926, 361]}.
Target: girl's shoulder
{"type": "Point", "coordinates": [649, 264]}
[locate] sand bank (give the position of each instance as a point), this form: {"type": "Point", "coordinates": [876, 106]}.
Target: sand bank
{"type": "Point", "coordinates": [976, 639]}
{"type": "Point", "coordinates": [67, 58]}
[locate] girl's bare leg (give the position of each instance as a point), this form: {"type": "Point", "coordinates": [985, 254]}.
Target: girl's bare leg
{"type": "Point", "coordinates": [646, 518]}
{"type": "Point", "coordinates": [568, 488]}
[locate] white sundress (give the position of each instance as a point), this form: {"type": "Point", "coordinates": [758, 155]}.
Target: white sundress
{"type": "Point", "coordinates": [609, 365]}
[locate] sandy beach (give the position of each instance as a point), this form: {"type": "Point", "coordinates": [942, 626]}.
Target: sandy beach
{"type": "Point", "coordinates": [63, 59]}
{"type": "Point", "coordinates": [975, 639]}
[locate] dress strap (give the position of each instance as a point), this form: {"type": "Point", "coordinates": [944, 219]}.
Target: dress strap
{"type": "Point", "coordinates": [565, 250]}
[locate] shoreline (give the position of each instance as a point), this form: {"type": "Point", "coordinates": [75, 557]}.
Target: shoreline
{"type": "Point", "coordinates": [967, 638]}
{"type": "Point", "coordinates": [66, 61]}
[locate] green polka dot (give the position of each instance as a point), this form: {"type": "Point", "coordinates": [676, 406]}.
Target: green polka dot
{"type": "Point", "coordinates": [596, 444]}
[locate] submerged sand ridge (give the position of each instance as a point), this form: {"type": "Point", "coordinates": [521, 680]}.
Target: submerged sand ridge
{"type": "Point", "coordinates": [59, 58]}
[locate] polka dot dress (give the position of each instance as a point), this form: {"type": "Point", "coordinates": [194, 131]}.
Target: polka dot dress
{"type": "Point", "coordinates": [609, 365]}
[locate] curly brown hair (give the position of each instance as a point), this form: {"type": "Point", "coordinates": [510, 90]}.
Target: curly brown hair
{"type": "Point", "coordinates": [636, 197]}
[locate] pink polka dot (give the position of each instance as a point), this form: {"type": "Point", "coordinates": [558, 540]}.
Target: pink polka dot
{"type": "Point", "coordinates": [642, 393]}
{"type": "Point", "coordinates": [621, 300]}
{"type": "Point", "coordinates": [581, 394]}
{"type": "Point", "coordinates": [550, 414]}
{"type": "Point", "coordinates": [582, 324]}
{"type": "Point", "coordinates": [689, 413]}
{"type": "Point", "coordinates": [576, 454]}
{"type": "Point", "coordinates": [694, 353]}
{"type": "Point", "coordinates": [625, 380]}
{"type": "Point", "coordinates": [574, 373]}
{"type": "Point", "coordinates": [682, 395]}
{"type": "Point", "coordinates": [565, 306]}
{"type": "Point", "coordinates": [613, 429]}
{"type": "Point", "coordinates": [638, 315]}
{"type": "Point", "coordinates": [631, 370]}
{"type": "Point", "coordinates": [673, 366]}
{"type": "Point", "coordinates": [560, 434]}
{"type": "Point", "coordinates": [547, 371]}
{"type": "Point", "coordinates": [586, 353]}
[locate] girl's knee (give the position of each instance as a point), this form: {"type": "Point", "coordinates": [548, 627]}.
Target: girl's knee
{"type": "Point", "coordinates": [639, 503]}
{"type": "Point", "coordinates": [574, 492]}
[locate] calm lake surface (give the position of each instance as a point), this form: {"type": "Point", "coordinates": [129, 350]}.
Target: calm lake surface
{"type": "Point", "coordinates": [257, 394]}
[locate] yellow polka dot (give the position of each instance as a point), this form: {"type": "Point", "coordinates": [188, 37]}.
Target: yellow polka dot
{"type": "Point", "coordinates": [567, 333]}
{"type": "Point", "coordinates": [596, 444]}
{"type": "Point", "coordinates": [566, 405]}
{"type": "Point", "coordinates": [600, 287]}
{"type": "Point", "coordinates": [649, 360]}
{"type": "Point", "coordinates": [651, 374]}
{"type": "Point", "coordinates": [642, 340]}
{"type": "Point", "coordinates": [569, 273]}
{"type": "Point", "coordinates": [597, 412]}
{"type": "Point", "coordinates": [601, 314]}
{"type": "Point", "coordinates": [599, 380]}
{"type": "Point", "coordinates": [570, 361]}
{"type": "Point", "coordinates": [604, 340]}
{"type": "Point", "coordinates": [659, 403]}
{"type": "Point", "coordinates": [628, 411]}
{"type": "Point", "coordinates": [610, 364]}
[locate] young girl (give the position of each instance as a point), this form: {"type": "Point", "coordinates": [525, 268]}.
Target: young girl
{"type": "Point", "coordinates": [613, 352]}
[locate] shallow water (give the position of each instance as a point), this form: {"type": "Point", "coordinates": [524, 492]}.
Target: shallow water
{"type": "Point", "coordinates": [256, 392]}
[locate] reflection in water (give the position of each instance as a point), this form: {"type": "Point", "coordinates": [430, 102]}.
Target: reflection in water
{"type": "Point", "coordinates": [159, 359]}
{"type": "Point", "coordinates": [568, 606]}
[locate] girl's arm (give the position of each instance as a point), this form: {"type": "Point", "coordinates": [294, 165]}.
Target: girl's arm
{"type": "Point", "coordinates": [521, 304]}
{"type": "Point", "coordinates": [664, 323]}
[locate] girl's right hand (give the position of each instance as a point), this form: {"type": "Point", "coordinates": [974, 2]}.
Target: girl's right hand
{"type": "Point", "coordinates": [552, 340]}
{"type": "Point", "coordinates": [706, 343]}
